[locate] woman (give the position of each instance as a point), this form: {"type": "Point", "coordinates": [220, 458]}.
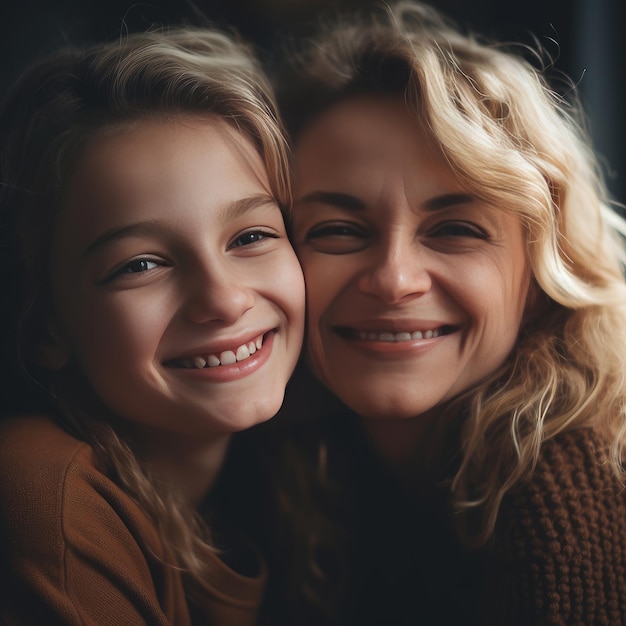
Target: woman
{"type": "Point", "coordinates": [153, 308]}
{"type": "Point", "coordinates": [465, 299]}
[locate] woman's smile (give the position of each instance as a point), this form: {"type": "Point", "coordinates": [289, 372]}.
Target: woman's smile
{"type": "Point", "coordinates": [356, 334]}
{"type": "Point", "coordinates": [415, 287]}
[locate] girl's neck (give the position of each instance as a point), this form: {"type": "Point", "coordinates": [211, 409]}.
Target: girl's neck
{"type": "Point", "coordinates": [188, 464]}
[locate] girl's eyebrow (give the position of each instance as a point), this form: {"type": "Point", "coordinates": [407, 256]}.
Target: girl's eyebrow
{"type": "Point", "coordinates": [244, 205]}
{"type": "Point", "coordinates": [151, 228]}
{"type": "Point", "coordinates": [137, 229]}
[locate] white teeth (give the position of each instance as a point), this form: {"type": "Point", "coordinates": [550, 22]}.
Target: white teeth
{"type": "Point", "coordinates": [228, 357]}
{"type": "Point", "coordinates": [398, 337]}
{"type": "Point", "coordinates": [199, 362]}
{"type": "Point", "coordinates": [242, 353]}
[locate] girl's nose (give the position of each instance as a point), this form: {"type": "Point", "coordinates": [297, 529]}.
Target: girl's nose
{"type": "Point", "coordinates": [217, 295]}
{"type": "Point", "coordinates": [397, 273]}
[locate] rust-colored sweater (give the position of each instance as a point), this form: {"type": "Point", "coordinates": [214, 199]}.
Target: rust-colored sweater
{"type": "Point", "coordinates": [76, 550]}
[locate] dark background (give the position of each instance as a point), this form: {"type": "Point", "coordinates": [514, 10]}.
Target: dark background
{"type": "Point", "coordinates": [585, 36]}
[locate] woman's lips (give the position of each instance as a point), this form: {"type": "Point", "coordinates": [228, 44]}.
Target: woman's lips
{"type": "Point", "coordinates": [392, 337]}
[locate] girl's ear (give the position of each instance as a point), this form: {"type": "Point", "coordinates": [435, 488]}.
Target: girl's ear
{"type": "Point", "coordinates": [50, 351]}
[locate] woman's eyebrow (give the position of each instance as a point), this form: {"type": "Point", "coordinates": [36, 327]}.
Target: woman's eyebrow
{"type": "Point", "coordinates": [352, 203]}
{"type": "Point", "coordinates": [334, 198]}
{"type": "Point", "coordinates": [447, 200]}
{"type": "Point", "coordinates": [150, 228]}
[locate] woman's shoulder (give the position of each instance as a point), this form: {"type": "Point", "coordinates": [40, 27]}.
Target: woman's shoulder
{"type": "Point", "coordinates": [575, 463]}
{"type": "Point", "coordinates": [572, 445]}
{"type": "Point", "coordinates": [572, 486]}
{"type": "Point", "coordinates": [561, 534]}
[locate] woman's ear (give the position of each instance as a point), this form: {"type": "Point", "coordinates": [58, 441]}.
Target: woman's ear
{"type": "Point", "coordinates": [536, 303]}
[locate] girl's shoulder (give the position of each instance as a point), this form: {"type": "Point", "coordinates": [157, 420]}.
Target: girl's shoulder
{"type": "Point", "coordinates": [69, 532]}
{"type": "Point", "coordinates": [53, 494]}
{"type": "Point", "coordinates": [34, 438]}
{"type": "Point", "coordinates": [35, 457]}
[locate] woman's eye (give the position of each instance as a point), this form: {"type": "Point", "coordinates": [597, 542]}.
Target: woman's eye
{"type": "Point", "coordinates": [334, 230]}
{"type": "Point", "coordinates": [251, 237]}
{"type": "Point", "coordinates": [458, 229]}
{"type": "Point", "coordinates": [336, 238]}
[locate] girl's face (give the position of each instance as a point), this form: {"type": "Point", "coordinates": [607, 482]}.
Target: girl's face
{"type": "Point", "coordinates": [415, 289]}
{"type": "Point", "coordinates": [176, 289]}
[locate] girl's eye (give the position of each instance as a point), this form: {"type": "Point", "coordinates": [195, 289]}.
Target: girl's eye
{"type": "Point", "coordinates": [251, 237]}
{"type": "Point", "coordinates": [133, 268]}
{"type": "Point", "coordinates": [138, 266]}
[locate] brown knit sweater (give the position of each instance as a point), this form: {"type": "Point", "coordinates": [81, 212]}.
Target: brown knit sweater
{"type": "Point", "coordinates": [558, 555]}
{"type": "Point", "coordinates": [560, 539]}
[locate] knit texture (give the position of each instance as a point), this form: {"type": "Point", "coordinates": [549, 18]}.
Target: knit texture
{"type": "Point", "coordinates": [561, 538]}
{"type": "Point", "coordinates": [557, 556]}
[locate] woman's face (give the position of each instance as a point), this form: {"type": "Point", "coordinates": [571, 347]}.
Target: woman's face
{"type": "Point", "coordinates": [176, 288]}
{"type": "Point", "coordinates": [415, 289]}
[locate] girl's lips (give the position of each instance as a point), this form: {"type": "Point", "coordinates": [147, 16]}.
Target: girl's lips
{"type": "Point", "coordinates": [226, 371]}
{"type": "Point", "coordinates": [225, 357]}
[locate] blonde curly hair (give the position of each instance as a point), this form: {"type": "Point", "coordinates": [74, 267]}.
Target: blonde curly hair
{"type": "Point", "coordinates": [518, 145]}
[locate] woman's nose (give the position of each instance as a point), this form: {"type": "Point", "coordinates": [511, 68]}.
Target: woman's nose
{"type": "Point", "coordinates": [397, 272]}
{"type": "Point", "coordinates": [217, 295]}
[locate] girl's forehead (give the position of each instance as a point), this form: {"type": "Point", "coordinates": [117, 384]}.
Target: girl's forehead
{"type": "Point", "coordinates": [147, 170]}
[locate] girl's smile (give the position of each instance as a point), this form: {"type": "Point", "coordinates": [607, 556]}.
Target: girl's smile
{"type": "Point", "coordinates": [199, 358]}
{"type": "Point", "coordinates": [177, 289]}
{"type": "Point", "coordinates": [227, 365]}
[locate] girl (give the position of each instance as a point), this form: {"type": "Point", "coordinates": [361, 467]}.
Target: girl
{"type": "Point", "coordinates": [466, 303]}
{"type": "Point", "coordinates": [154, 307]}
